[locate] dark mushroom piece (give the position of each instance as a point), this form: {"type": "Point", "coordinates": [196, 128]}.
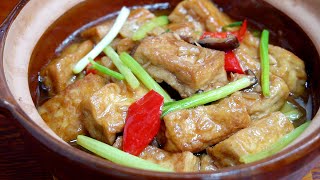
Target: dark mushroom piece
{"type": "Point", "coordinates": [223, 44]}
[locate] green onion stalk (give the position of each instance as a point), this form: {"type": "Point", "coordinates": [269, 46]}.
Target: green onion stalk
{"type": "Point", "coordinates": [117, 156]}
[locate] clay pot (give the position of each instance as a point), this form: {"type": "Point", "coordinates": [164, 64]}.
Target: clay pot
{"type": "Point", "coordinates": [30, 19]}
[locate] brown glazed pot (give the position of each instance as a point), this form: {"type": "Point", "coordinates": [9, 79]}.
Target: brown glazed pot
{"type": "Point", "coordinates": [30, 19]}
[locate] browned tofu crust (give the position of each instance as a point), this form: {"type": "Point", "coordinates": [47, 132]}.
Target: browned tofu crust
{"type": "Point", "coordinates": [104, 113]}
{"type": "Point", "coordinates": [192, 66]}
{"type": "Point", "coordinates": [283, 63]}
{"type": "Point", "coordinates": [136, 19]}
{"type": "Point", "coordinates": [196, 129]}
{"type": "Point", "coordinates": [260, 106]}
{"type": "Point", "coordinates": [62, 113]}
{"type": "Point", "coordinates": [179, 162]}
{"type": "Point", "coordinates": [207, 163]}
{"type": "Point", "coordinates": [255, 138]}
{"type": "Point", "coordinates": [200, 12]}
{"type": "Point", "coordinates": [57, 75]}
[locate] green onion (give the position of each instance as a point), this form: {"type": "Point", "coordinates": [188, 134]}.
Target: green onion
{"type": "Point", "coordinates": [234, 24]}
{"type": "Point", "coordinates": [265, 66]}
{"type": "Point", "coordinates": [143, 76]}
{"type": "Point", "coordinates": [117, 156]}
{"type": "Point", "coordinates": [130, 78]}
{"type": "Point", "coordinates": [293, 115]}
{"type": "Point", "coordinates": [206, 97]}
{"type": "Point", "coordinates": [149, 26]}
{"type": "Point", "coordinates": [291, 111]}
{"type": "Point", "coordinates": [121, 19]}
{"type": "Point", "coordinates": [105, 70]}
{"type": "Point", "coordinates": [276, 147]}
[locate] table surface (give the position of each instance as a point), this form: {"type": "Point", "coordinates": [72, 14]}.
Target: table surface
{"type": "Point", "coordinates": [18, 161]}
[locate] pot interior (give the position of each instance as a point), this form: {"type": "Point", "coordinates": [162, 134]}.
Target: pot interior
{"type": "Point", "coordinates": [42, 26]}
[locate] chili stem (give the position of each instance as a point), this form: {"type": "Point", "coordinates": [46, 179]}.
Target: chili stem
{"type": "Point", "coordinates": [206, 97]}
{"type": "Point", "coordinates": [117, 156]}
{"type": "Point", "coordinates": [149, 26]}
{"type": "Point", "coordinates": [276, 147]}
{"type": "Point", "coordinates": [115, 29]}
{"type": "Point", "coordinates": [128, 75]}
{"type": "Point", "coordinates": [265, 66]}
{"type": "Point", "coordinates": [105, 70]}
{"type": "Point", "coordinates": [143, 75]}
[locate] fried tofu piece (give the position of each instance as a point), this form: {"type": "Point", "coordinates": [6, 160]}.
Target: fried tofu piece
{"type": "Point", "coordinates": [196, 129]}
{"type": "Point", "coordinates": [283, 63]}
{"type": "Point", "coordinates": [179, 162]}
{"type": "Point", "coordinates": [186, 30]}
{"type": "Point", "coordinates": [104, 113]}
{"type": "Point", "coordinates": [260, 106]}
{"type": "Point", "coordinates": [253, 139]}
{"type": "Point", "coordinates": [290, 68]}
{"type": "Point", "coordinates": [136, 19]}
{"type": "Point", "coordinates": [62, 112]}
{"type": "Point", "coordinates": [207, 163]}
{"type": "Point", "coordinates": [201, 13]}
{"type": "Point", "coordinates": [57, 75]}
{"type": "Point", "coordinates": [186, 66]}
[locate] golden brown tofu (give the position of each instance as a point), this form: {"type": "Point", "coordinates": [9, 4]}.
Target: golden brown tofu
{"type": "Point", "coordinates": [126, 45]}
{"type": "Point", "coordinates": [201, 13]}
{"type": "Point", "coordinates": [290, 68]}
{"type": "Point", "coordinates": [184, 64]}
{"type": "Point", "coordinates": [259, 106]}
{"type": "Point", "coordinates": [57, 75]}
{"type": "Point", "coordinates": [62, 112]}
{"type": "Point", "coordinates": [104, 113]}
{"type": "Point", "coordinates": [187, 31]}
{"type": "Point", "coordinates": [196, 129]}
{"type": "Point", "coordinates": [283, 63]}
{"type": "Point", "coordinates": [136, 19]}
{"type": "Point", "coordinates": [207, 163]}
{"type": "Point", "coordinates": [179, 162]}
{"type": "Point", "coordinates": [253, 139]}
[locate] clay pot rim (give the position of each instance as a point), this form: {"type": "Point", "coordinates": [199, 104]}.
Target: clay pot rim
{"type": "Point", "coordinates": [290, 155]}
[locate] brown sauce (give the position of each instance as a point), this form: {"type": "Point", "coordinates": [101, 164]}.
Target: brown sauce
{"type": "Point", "coordinates": [260, 15]}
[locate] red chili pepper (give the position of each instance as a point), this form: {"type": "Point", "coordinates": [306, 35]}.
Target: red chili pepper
{"type": "Point", "coordinates": [239, 34]}
{"type": "Point", "coordinates": [142, 123]}
{"type": "Point", "coordinates": [242, 31]}
{"type": "Point", "coordinates": [89, 69]}
{"type": "Point", "coordinates": [231, 63]}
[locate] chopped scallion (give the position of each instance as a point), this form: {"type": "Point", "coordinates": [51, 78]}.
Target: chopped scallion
{"type": "Point", "coordinates": [143, 75]}
{"type": "Point", "coordinates": [117, 156]}
{"type": "Point", "coordinates": [265, 66]}
{"type": "Point", "coordinates": [234, 24]}
{"type": "Point", "coordinates": [128, 75]}
{"type": "Point", "coordinates": [209, 96]}
{"type": "Point", "coordinates": [105, 70]}
{"type": "Point", "coordinates": [115, 29]}
{"type": "Point", "coordinates": [149, 26]}
{"type": "Point", "coordinates": [276, 147]}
